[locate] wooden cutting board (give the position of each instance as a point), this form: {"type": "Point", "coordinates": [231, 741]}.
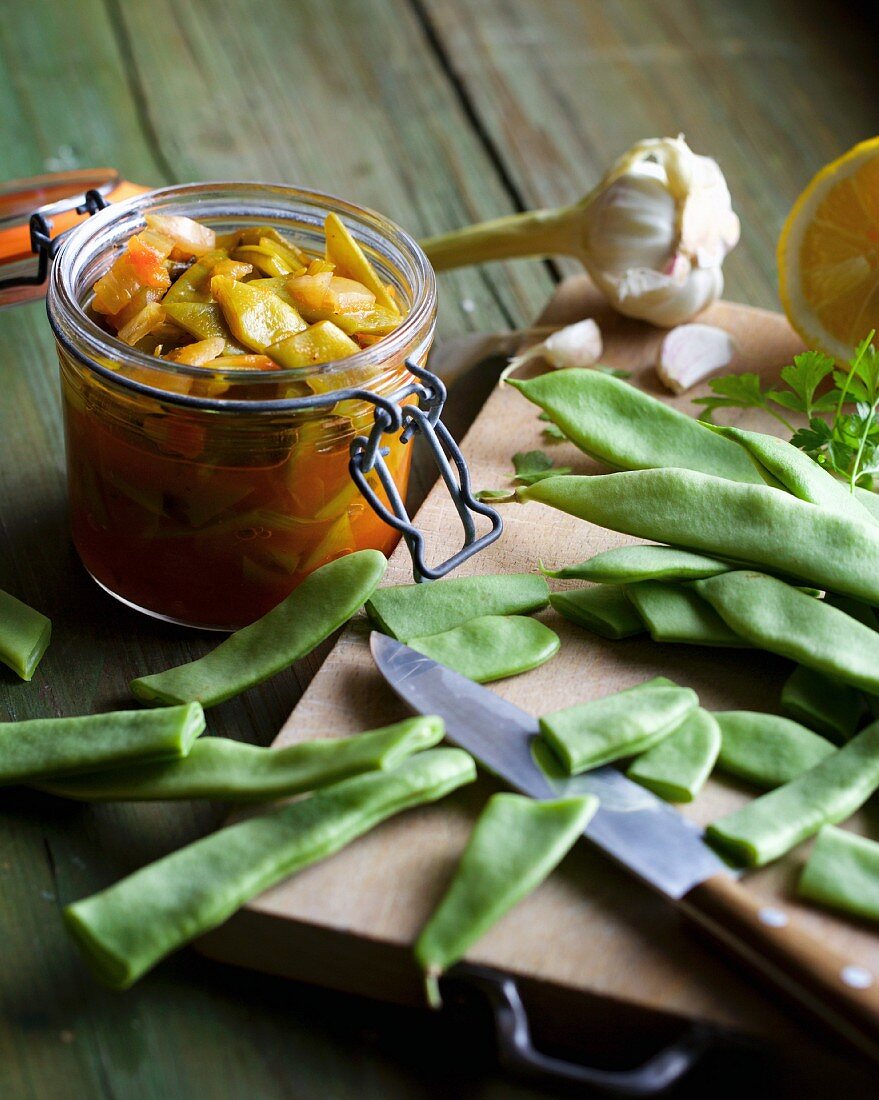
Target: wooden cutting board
{"type": "Point", "coordinates": [590, 936]}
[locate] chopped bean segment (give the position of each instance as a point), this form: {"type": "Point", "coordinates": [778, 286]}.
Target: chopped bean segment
{"type": "Point", "coordinates": [626, 723]}
{"type": "Point", "coordinates": [677, 768]}
{"type": "Point", "coordinates": [676, 613]}
{"type": "Point", "coordinates": [236, 772]}
{"type": "Point", "coordinates": [126, 929]}
{"type": "Point", "coordinates": [828, 793]}
{"type": "Point", "coordinates": [773, 615]}
{"type": "Point", "coordinates": [62, 746]}
{"type": "Point", "coordinates": [491, 647]}
{"type": "Point", "coordinates": [321, 604]}
{"type": "Point", "coordinates": [605, 609]}
{"type": "Point", "coordinates": [843, 873]}
{"type": "Point", "coordinates": [415, 610]}
{"type": "Point", "coordinates": [515, 844]}
{"type": "Point", "coordinates": [24, 635]}
{"type": "Point", "coordinates": [765, 749]}
{"type": "Point", "coordinates": [822, 703]}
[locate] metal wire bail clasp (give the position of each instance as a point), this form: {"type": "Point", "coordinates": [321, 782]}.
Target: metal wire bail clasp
{"type": "Point", "coordinates": [423, 418]}
{"type": "Point", "coordinates": [24, 282]}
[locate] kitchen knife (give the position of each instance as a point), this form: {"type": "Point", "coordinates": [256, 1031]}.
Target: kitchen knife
{"type": "Point", "coordinates": [647, 837]}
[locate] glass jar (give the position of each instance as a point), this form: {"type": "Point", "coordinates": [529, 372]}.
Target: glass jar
{"type": "Point", "coordinates": [204, 497]}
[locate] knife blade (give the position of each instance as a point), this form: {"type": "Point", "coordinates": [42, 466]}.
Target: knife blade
{"type": "Point", "coordinates": [650, 839]}
{"type": "Point", "coordinates": [632, 825]}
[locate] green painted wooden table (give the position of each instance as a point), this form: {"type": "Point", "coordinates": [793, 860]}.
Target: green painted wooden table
{"type": "Point", "coordinates": [437, 112]}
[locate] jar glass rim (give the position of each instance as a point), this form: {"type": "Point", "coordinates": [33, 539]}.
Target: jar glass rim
{"type": "Point", "coordinates": [66, 314]}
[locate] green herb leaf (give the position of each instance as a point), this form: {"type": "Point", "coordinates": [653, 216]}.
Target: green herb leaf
{"type": "Point", "coordinates": [733, 391]}
{"type": "Point", "coordinates": [804, 376]}
{"type": "Point", "coordinates": [532, 466]}
{"type": "Point", "coordinates": [552, 432]}
{"type": "Point", "coordinates": [495, 496]}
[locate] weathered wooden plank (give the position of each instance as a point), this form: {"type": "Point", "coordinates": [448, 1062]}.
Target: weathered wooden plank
{"type": "Point", "coordinates": [342, 97]}
{"type": "Point", "coordinates": [767, 88]}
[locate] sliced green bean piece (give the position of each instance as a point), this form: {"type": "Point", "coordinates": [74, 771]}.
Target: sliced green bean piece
{"type": "Point", "coordinates": [766, 749]}
{"type": "Point", "coordinates": [773, 615]}
{"type": "Point", "coordinates": [796, 472]}
{"type": "Point", "coordinates": [626, 723]}
{"type": "Point", "coordinates": [126, 929]}
{"type": "Point", "coordinates": [514, 846]}
{"type": "Point", "coordinates": [491, 647]}
{"type": "Point", "coordinates": [675, 613]}
{"type": "Point", "coordinates": [676, 768]}
{"type": "Point", "coordinates": [232, 771]}
{"type": "Point", "coordinates": [407, 611]}
{"type": "Point", "coordinates": [749, 523]}
{"type": "Point", "coordinates": [24, 635]}
{"type": "Point", "coordinates": [61, 746]}
{"type": "Point", "coordinates": [202, 320]}
{"type": "Point", "coordinates": [822, 703]}
{"type": "Point", "coordinates": [606, 610]}
{"type": "Point", "coordinates": [629, 564]}
{"type": "Point", "coordinates": [322, 603]}
{"type": "Point", "coordinates": [843, 873]}
{"type": "Point", "coordinates": [828, 793]}
{"type": "Point", "coordinates": [628, 429]}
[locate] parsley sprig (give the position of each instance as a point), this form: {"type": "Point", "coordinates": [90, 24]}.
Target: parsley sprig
{"type": "Point", "coordinates": [843, 425]}
{"type": "Point", "coordinates": [528, 467]}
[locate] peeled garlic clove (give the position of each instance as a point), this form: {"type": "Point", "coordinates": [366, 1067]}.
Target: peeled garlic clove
{"type": "Point", "coordinates": [690, 353]}
{"type": "Point", "coordinates": [577, 345]}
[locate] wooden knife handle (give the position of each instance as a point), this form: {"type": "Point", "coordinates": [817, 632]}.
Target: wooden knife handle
{"type": "Point", "coordinates": [842, 992]}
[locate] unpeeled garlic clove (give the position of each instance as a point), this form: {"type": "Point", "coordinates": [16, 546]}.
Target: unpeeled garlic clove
{"type": "Point", "coordinates": [690, 353]}
{"type": "Point", "coordinates": [577, 345]}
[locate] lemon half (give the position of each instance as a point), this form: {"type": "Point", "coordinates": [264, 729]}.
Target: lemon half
{"type": "Point", "coordinates": [828, 254]}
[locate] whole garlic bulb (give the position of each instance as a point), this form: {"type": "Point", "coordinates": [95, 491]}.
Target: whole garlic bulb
{"type": "Point", "coordinates": [653, 234]}
{"type": "Point", "coordinates": [657, 230]}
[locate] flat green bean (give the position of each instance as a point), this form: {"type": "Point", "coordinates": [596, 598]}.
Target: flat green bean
{"type": "Point", "coordinates": [514, 846]}
{"type": "Point", "coordinates": [24, 635]}
{"type": "Point", "coordinates": [232, 771]}
{"type": "Point", "coordinates": [321, 604]}
{"type": "Point", "coordinates": [676, 613]}
{"type": "Point", "coordinates": [676, 769]}
{"type": "Point", "coordinates": [626, 723]}
{"type": "Point", "coordinates": [125, 930]}
{"type": "Point", "coordinates": [796, 472]}
{"type": "Point", "coordinates": [856, 608]}
{"type": "Point", "coordinates": [749, 523]}
{"type": "Point", "coordinates": [765, 749]}
{"type": "Point", "coordinates": [408, 611]}
{"type": "Point", "coordinates": [606, 610]}
{"type": "Point", "coordinates": [491, 647]}
{"type": "Point", "coordinates": [828, 793]}
{"type": "Point", "coordinates": [843, 872]}
{"type": "Point", "coordinates": [869, 500]}
{"type": "Point", "coordinates": [60, 746]}
{"type": "Point", "coordinates": [822, 703]}
{"type": "Point", "coordinates": [774, 616]}
{"type": "Point", "coordinates": [629, 564]}
{"type": "Point", "coordinates": [626, 428]}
